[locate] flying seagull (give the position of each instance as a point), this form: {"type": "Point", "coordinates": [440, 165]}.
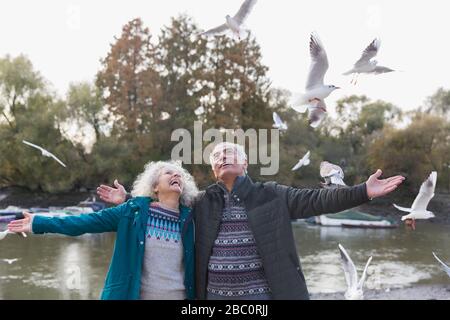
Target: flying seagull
{"type": "Point", "coordinates": [303, 161]}
{"type": "Point", "coordinates": [44, 152]}
{"type": "Point", "coordinates": [333, 175]}
{"type": "Point", "coordinates": [444, 266]}
{"type": "Point", "coordinates": [235, 23]}
{"type": "Point", "coordinates": [315, 90]}
{"type": "Point", "coordinates": [10, 261]}
{"type": "Point", "coordinates": [418, 209]}
{"type": "Point", "coordinates": [355, 288]}
{"type": "Point", "coordinates": [277, 123]}
{"type": "Point", "coordinates": [366, 65]}
{"type": "Point", "coordinates": [317, 111]}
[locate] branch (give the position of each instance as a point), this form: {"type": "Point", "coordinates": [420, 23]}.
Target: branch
{"type": "Point", "coordinates": [9, 122]}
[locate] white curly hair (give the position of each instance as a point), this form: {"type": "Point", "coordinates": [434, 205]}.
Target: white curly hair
{"type": "Point", "coordinates": [145, 183]}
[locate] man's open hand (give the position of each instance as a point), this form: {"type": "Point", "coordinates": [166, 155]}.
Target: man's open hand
{"type": "Point", "coordinates": [378, 188]}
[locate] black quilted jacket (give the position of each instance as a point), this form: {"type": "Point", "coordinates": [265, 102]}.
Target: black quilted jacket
{"type": "Point", "coordinates": [270, 209]}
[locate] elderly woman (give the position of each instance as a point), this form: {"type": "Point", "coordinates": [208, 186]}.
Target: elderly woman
{"type": "Point", "coordinates": [154, 251]}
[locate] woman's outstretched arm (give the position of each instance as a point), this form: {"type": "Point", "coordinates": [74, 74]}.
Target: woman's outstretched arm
{"type": "Point", "coordinates": [102, 221]}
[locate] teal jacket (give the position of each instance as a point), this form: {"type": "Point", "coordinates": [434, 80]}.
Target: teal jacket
{"type": "Point", "coordinates": [129, 220]}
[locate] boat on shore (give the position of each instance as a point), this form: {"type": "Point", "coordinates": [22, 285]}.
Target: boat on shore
{"type": "Point", "coordinates": [353, 219]}
{"type": "Point", "coordinates": [84, 207]}
{"type": "Point", "coordinates": [7, 219]}
{"type": "Point", "coordinates": [12, 211]}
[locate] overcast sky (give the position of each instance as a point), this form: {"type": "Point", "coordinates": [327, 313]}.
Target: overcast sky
{"type": "Point", "coordinates": [65, 39]}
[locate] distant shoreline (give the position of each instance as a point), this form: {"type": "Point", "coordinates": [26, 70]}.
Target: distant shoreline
{"type": "Point", "coordinates": [19, 197]}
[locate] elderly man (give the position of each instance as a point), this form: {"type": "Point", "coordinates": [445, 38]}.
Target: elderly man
{"type": "Point", "coordinates": [245, 247]}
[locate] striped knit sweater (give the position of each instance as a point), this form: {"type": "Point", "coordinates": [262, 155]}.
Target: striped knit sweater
{"type": "Point", "coordinates": [235, 267]}
{"type": "Point", "coordinates": [163, 269]}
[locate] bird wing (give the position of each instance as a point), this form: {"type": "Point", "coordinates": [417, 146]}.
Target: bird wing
{"type": "Point", "coordinates": [364, 275]}
{"type": "Point", "coordinates": [349, 268]}
{"type": "Point", "coordinates": [335, 179]}
{"type": "Point", "coordinates": [426, 193]}
{"type": "Point", "coordinates": [316, 118]}
{"type": "Point", "coordinates": [298, 165]}
{"type": "Point", "coordinates": [369, 53]}
{"type": "Point", "coordinates": [216, 31]}
{"type": "Point", "coordinates": [324, 169]}
{"type": "Point", "coordinates": [305, 158]}
{"type": "Point", "coordinates": [34, 146]}
{"type": "Point", "coordinates": [341, 172]}
{"type": "Point", "coordinates": [276, 119]}
{"type": "Point", "coordinates": [381, 69]}
{"type": "Point", "coordinates": [317, 113]}
{"type": "Point", "coordinates": [300, 109]}
{"type": "Point", "coordinates": [402, 208]}
{"type": "Point", "coordinates": [59, 161]}
{"type": "Point", "coordinates": [244, 11]}
{"type": "Point", "coordinates": [328, 169]}
{"type": "Point", "coordinates": [319, 62]}
{"type": "Point", "coordinates": [445, 267]}
{"type": "Point", "coordinates": [303, 161]}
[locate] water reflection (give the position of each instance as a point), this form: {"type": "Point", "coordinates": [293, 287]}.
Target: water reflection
{"type": "Point", "coordinates": [54, 266]}
{"type": "Point", "coordinates": [401, 257]}
{"type": "Point", "coordinates": [60, 267]}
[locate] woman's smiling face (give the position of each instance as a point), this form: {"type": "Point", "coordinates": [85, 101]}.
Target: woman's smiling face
{"type": "Point", "coordinates": [169, 181]}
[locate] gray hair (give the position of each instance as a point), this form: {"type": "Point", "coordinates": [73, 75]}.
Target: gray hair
{"type": "Point", "coordinates": [240, 151]}
{"type": "Point", "coordinates": [145, 183]}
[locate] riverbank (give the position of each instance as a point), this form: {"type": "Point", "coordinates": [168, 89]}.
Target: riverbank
{"type": "Point", "coordinates": [20, 197]}
{"type": "Point", "coordinates": [419, 292]}
{"type": "Point", "coordinates": [23, 198]}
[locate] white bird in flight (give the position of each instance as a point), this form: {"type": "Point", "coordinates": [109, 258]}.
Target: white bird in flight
{"type": "Point", "coordinates": [3, 234]}
{"type": "Point", "coordinates": [10, 261]}
{"type": "Point", "coordinates": [366, 65]}
{"type": "Point", "coordinates": [316, 91]}
{"type": "Point", "coordinates": [277, 123]}
{"type": "Point", "coordinates": [444, 266]}
{"type": "Point", "coordinates": [418, 209]}
{"type": "Point", "coordinates": [355, 287]}
{"type": "Point", "coordinates": [235, 23]}
{"type": "Point", "coordinates": [317, 111]}
{"type": "Point", "coordinates": [303, 161]}
{"type": "Point", "coordinates": [44, 152]}
{"type": "Point", "coordinates": [333, 174]}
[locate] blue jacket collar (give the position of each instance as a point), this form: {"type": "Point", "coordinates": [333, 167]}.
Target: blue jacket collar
{"type": "Point", "coordinates": [143, 204]}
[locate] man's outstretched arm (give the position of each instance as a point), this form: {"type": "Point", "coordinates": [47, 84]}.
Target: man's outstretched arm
{"type": "Point", "coordinates": [304, 203]}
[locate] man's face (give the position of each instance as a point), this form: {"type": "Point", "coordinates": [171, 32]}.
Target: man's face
{"type": "Point", "coordinates": [227, 165]}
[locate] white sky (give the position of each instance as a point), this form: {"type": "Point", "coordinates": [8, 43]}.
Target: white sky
{"type": "Point", "coordinates": [65, 39]}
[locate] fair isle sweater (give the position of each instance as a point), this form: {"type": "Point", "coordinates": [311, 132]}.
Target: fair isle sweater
{"type": "Point", "coordinates": [163, 269]}
{"type": "Point", "coordinates": [235, 268]}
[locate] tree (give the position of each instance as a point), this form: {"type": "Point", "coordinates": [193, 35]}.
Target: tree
{"type": "Point", "coordinates": [34, 115]}
{"type": "Point", "coordinates": [18, 82]}
{"type": "Point", "coordinates": [439, 103]}
{"type": "Point", "coordinates": [129, 83]}
{"type": "Point", "coordinates": [415, 151]}
{"type": "Point", "coordinates": [238, 82]}
{"type": "Point", "coordinates": [85, 106]}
